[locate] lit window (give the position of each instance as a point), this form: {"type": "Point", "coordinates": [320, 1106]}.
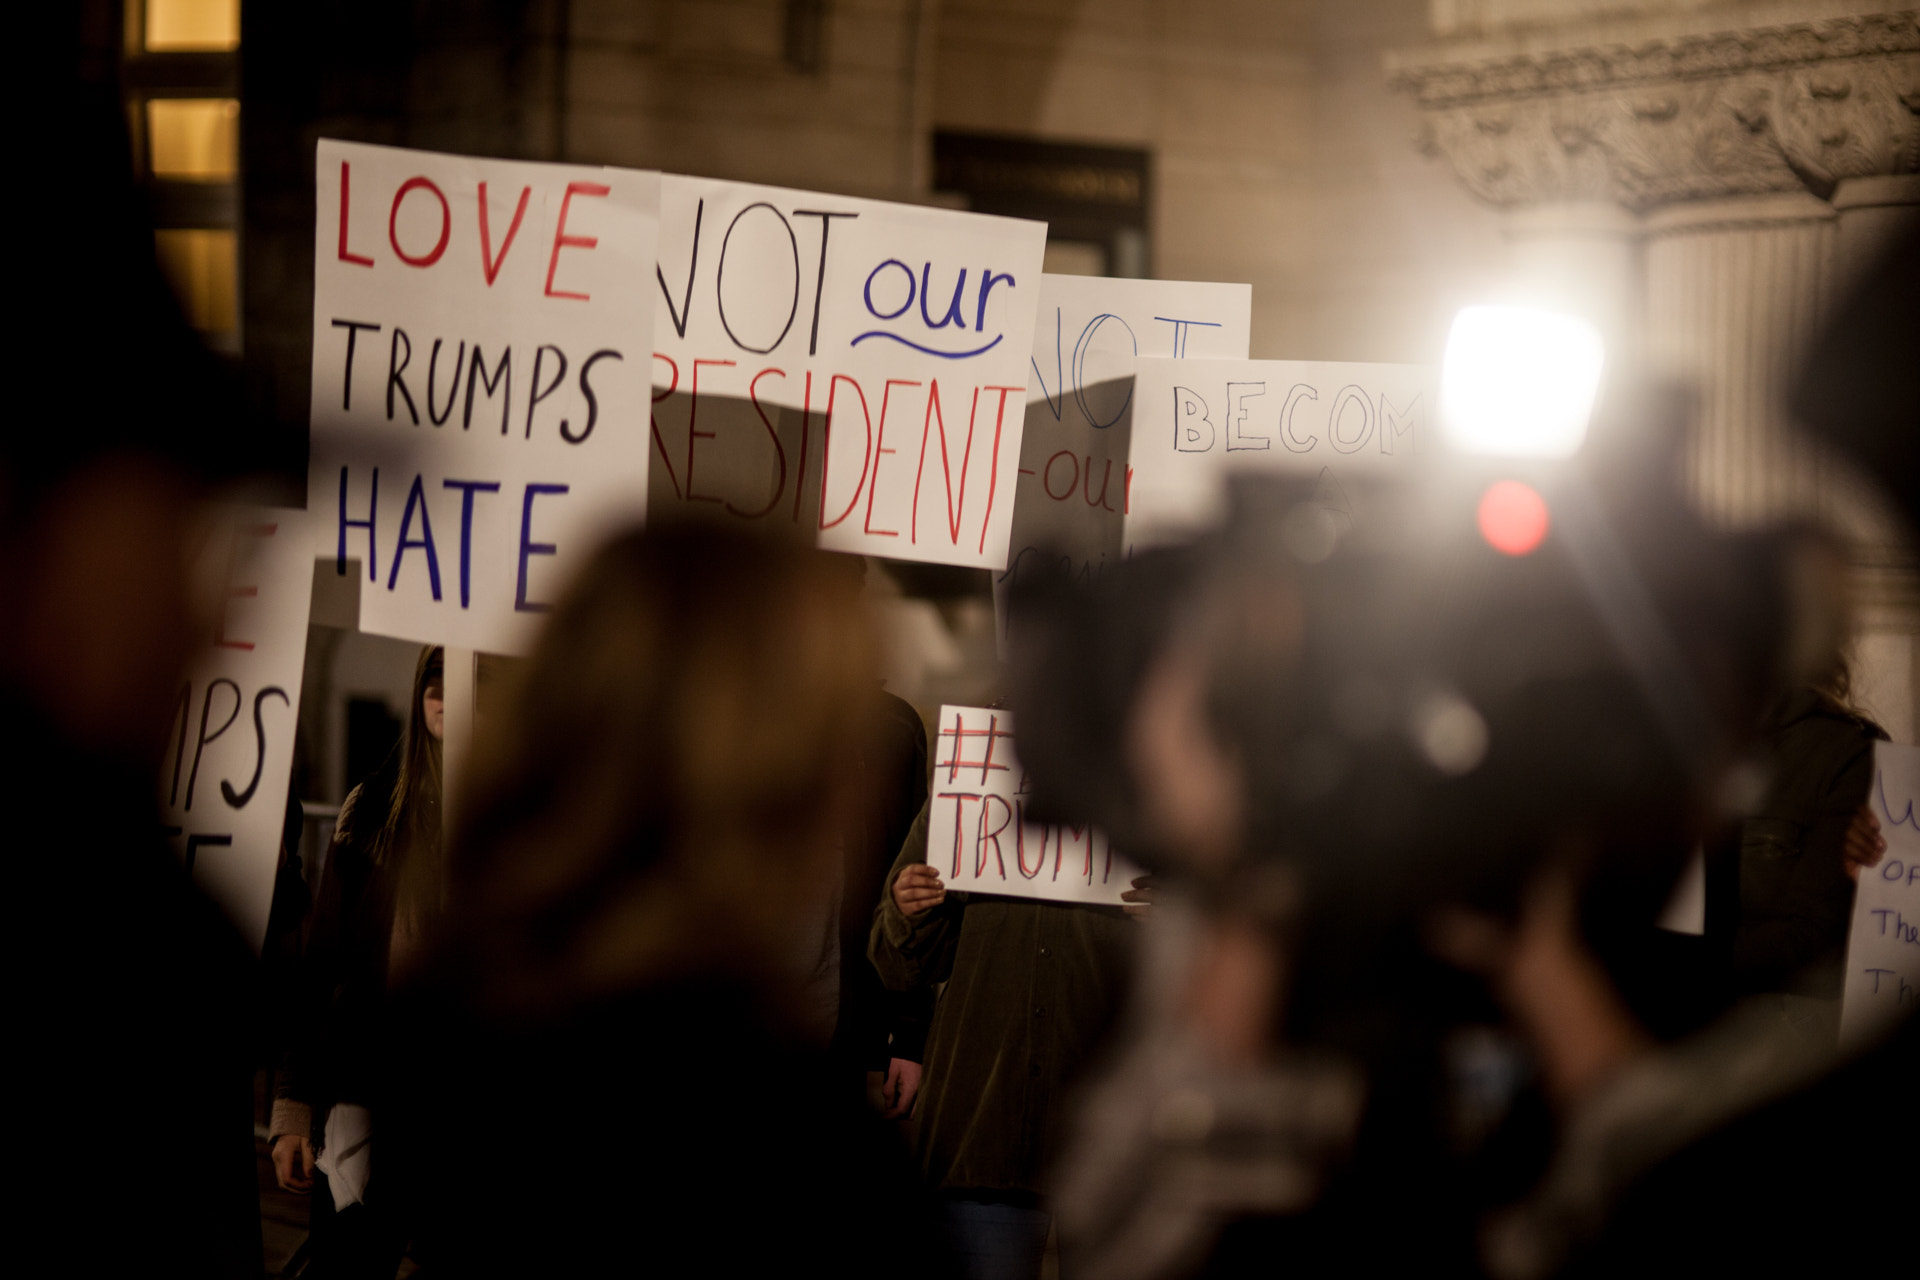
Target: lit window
{"type": "Point", "coordinates": [194, 138]}
{"type": "Point", "coordinates": [201, 265]}
{"type": "Point", "coordinates": [175, 26]}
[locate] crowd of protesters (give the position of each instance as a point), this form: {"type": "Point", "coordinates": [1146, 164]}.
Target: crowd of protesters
{"type": "Point", "coordinates": [656, 998]}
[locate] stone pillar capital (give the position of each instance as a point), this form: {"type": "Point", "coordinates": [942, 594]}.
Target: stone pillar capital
{"type": "Point", "coordinates": [1668, 118]}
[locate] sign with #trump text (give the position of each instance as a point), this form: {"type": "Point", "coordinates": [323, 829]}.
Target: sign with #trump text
{"type": "Point", "coordinates": [978, 836]}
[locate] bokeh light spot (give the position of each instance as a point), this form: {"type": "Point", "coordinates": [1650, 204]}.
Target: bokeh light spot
{"type": "Point", "coordinates": [1513, 518]}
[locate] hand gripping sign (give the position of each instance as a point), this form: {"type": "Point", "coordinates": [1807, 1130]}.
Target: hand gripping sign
{"type": "Point", "coordinates": [223, 783]}
{"type": "Point", "coordinates": [978, 836]}
{"type": "Point", "coordinates": [481, 341]}
{"type": "Point", "coordinates": [1196, 421]}
{"type": "Point", "coordinates": [851, 370]}
{"type": "Point", "coordinates": [1882, 982]}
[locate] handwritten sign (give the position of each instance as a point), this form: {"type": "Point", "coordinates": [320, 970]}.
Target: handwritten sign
{"type": "Point", "coordinates": [1198, 420]}
{"type": "Point", "coordinates": [1883, 946]}
{"type": "Point", "coordinates": [223, 784]}
{"type": "Point", "coordinates": [1074, 472]}
{"type": "Point", "coordinates": [481, 332]}
{"type": "Point", "coordinates": [851, 369]}
{"type": "Point", "coordinates": [978, 837]}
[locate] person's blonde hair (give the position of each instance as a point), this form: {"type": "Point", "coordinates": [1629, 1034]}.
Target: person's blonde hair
{"type": "Point", "coordinates": [664, 791]}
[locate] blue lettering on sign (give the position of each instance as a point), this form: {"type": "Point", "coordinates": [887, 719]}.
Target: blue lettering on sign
{"type": "Point", "coordinates": [954, 315]}
{"type": "Point", "coordinates": [1894, 923]}
{"type": "Point", "coordinates": [1906, 818]}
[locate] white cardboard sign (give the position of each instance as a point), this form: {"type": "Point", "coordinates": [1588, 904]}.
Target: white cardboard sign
{"type": "Point", "coordinates": [481, 340]}
{"type": "Point", "coordinates": [1075, 476]}
{"type": "Point", "coordinates": [1882, 981]}
{"type": "Point", "coordinates": [1195, 421]}
{"type": "Point", "coordinates": [852, 369]}
{"type": "Point", "coordinates": [978, 837]}
{"type": "Point", "coordinates": [223, 783]}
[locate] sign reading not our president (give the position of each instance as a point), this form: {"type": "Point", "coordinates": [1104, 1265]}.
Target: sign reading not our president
{"type": "Point", "coordinates": [850, 369]}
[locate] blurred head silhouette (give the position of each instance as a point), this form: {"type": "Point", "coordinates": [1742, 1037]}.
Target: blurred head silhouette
{"type": "Point", "coordinates": [663, 793]}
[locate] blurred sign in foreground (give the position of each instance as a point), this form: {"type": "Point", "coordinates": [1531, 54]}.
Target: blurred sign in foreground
{"type": "Point", "coordinates": [1883, 948]}
{"type": "Point", "coordinates": [978, 837]}
{"type": "Point", "coordinates": [223, 783]}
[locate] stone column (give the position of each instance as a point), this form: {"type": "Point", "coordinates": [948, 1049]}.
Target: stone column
{"type": "Point", "coordinates": [1735, 289]}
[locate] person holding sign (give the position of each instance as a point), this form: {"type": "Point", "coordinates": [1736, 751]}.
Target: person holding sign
{"type": "Point", "coordinates": [1031, 987]}
{"type": "Point", "coordinates": [382, 888]}
{"type": "Point", "coordinates": [615, 1015]}
{"type": "Point", "coordinates": [1802, 849]}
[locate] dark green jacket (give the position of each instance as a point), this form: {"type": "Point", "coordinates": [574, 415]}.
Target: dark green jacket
{"type": "Point", "coordinates": [1795, 898]}
{"type": "Point", "coordinates": [1031, 988]}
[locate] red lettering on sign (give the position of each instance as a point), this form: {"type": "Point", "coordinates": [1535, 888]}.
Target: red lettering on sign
{"type": "Point", "coordinates": [880, 447]}
{"type": "Point", "coordinates": [866, 455]}
{"type": "Point", "coordinates": [346, 179]}
{"type": "Point", "coordinates": [653, 419]}
{"type": "Point", "coordinates": [561, 240]}
{"type": "Point", "coordinates": [393, 223]}
{"type": "Point", "coordinates": [238, 593]}
{"type": "Point", "coordinates": [489, 263]}
{"type": "Point", "coordinates": [693, 409]}
{"type": "Point", "coordinates": [993, 475]}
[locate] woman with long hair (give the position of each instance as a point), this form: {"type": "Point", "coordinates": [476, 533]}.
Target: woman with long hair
{"type": "Point", "coordinates": [381, 891]}
{"type": "Point", "coordinates": [609, 1033]}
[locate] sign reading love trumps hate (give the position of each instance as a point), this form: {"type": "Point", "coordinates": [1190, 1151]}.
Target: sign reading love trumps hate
{"type": "Point", "coordinates": [481, 341]}
{"type": "Point", "coordinates": [851, 369]}
{"type": "Point", "coordinates": [223, 782]}
{"type": "Point", "coordinates": [1882, 982]}
{"type": "Point", "coordinates": [978, 836]}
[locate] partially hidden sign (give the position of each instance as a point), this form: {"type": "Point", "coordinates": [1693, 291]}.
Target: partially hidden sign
{"type": "Point", "coordinates": [1197, 421]}
{"type": "Point", "coordinates": [482, 338]}
{"type": "Point", "coordinates": [978, 837]}
{"type": "Point", "coordinates": [223, 783]}
{"type": "Point", "coordinates": [1075, 471]}
{"type": "Point", "coordinates": [851, 370]}
{"type": "Point", "coordinates": [1882, 983]}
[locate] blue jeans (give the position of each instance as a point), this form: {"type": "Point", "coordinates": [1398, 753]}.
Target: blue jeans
{"type": "Point", "coordinates": [996, 1241]}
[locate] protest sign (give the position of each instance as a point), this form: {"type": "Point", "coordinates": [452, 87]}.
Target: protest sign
{"type": "Point", "coordinates": [1882, 982]}
{"type": "Point", "coordinates": [481, 332]}
{"type": "Point", "coordinates": [851, 370]}
{"type": "Point", "coordinates": [1197, 420]}
{"type": "Point", "coordinates": [223, 783]}
{"type": "Point", "coordinates": [978, 837]}
{"type": "Point", "coordinates": [1074, 475]}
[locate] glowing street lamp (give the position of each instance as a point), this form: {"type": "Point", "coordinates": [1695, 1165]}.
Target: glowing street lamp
{"type": "Point", "coordinates": [1519, 383]}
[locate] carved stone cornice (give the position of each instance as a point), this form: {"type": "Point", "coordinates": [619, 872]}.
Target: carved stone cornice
{"type": "Point", "coordinates": [1773, 109]}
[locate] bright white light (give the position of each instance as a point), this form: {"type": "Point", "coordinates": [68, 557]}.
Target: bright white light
{"type": "Point", "coordinates": [1519, 383]}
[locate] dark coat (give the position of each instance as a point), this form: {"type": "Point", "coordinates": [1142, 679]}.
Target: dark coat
{"type": "Point", "coordinates": [1031, 989]}
{"type": "Point", "coordinates": [1796, 900]}
{"type": "Point", "coordinates": [340, 986]}
{"type": "Point", "coordinates": [606, 1139]}
{"type": "Point", "coordinates": [877, 1024]}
